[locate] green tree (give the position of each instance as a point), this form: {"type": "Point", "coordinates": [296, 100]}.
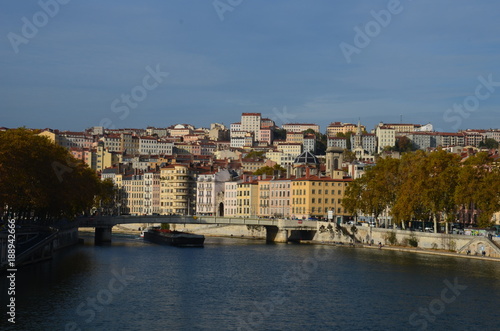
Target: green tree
{"type": "Point", "coordinates": [269, 170]}
{"type": "Point", "coordinates": [255, 154]}
{"type": "Point", "coordinates": [280, 134]}
{"type": "Point", "coordinates": [41, 180]}
{"type": "Point", "coordinates": [489, 143]}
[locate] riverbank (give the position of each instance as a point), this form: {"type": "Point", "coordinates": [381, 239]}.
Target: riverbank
{"type": "Point", "coordinates": [405, 249]}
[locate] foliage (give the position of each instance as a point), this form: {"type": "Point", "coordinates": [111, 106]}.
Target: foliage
{"type": "Point", "coordinates": [349, 156]}
{"type": "Point", "coordinates": [428, 186]}
{"type": "Point", "coordinates": [413, 240]}
{"type": "Point", "coordinates": [321, 141]}
{"type": "Point", "coordinates": [280, 134]}
{"type": "Point", "coordinates": [165, 226]}
{"type": "Point", "coordinates": [40, 180]}
{"type": "Point", "coordinates": [390, 237]}
{"type": "Point", "coordinates": [255, 154]}
{"type": "Point", "coordinates": [269, 170]}
{"type": "Point", "coordinates": [404, 144]}
{"type": "Point", "coordinates": [489, 143]}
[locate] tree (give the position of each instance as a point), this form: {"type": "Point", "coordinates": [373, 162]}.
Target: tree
{"type": "Point", "coordinates": [269, 170]}
{"type": "Point", "coordinates": [41, 180]}
{"type": "Point", "coordinates": [404, 144]}
{"type": "Point", "coordinates": [489, 143]}
{"type": "Point", "coordinates": [349, 156]}
{"type": "Point", "coordinates": [478, 190]}
{"type": "Point", "coordinates": [321, 141]}
{"type": "Point", "coordinates": [280, 134]}
{"type": "Point", "coordinates": [255, 154]}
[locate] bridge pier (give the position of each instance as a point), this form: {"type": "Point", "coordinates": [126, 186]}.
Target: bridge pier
{"type": "Point", "coordinates": [275, 234]}
{"type": "Point", "coordinates": [102, 235]}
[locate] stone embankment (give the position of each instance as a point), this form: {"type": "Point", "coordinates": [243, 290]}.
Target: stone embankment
{"type": "Point", "coordinates": [432, 243]}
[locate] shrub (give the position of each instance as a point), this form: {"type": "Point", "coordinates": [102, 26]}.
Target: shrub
{"type": "Point", "coordinates": [413, 240]}
{"type": "Point", "coordinates": [391, 238]}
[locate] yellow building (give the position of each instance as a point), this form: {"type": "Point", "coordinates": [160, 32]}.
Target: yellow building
{"type": "Point", "coordinates": [314, 196]}
{"type": "Point", "coordinates": [338, 127]}
{"type": "Point", "coordinates": [263, 210]}
{"type": "Point", "coordinates": [102, 158]}
{"type": "Point", "coordinates": [247, 199]}
{"type": "Point", "coordinates": [177, 190]}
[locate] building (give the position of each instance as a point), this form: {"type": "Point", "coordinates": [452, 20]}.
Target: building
{"type": "Point", "coordinates": [209, 188]}
{"type": "Point", "coordinates": [386, 137]}
{"type": "Point", "coordinates": [402, 127]}
{"type": "Point", "coordinates": [314, 196]}
{"type": "Point", "coordinates": [230, 198]}
{"type": "Point", "coordinates": [300, 127]}
{"type": "Point", "coordinates": [251, 122]}
{"type": "Point", "coordinates": [338, 127]}
{"type": "Point", "coordinates": [293, 149]}
{"type": "Point", "coordinates": [151, 204]}
{"type": "Point", "coordinates": [178, 189]}
{"type": "Point", "coordinates": [337, 142]}
{"type": "Point", "coordinates": [247, 198]}
{"type": "Point", "coordinates": [280, 197]}
{"type": "Point", "coordinates": [263, 189]}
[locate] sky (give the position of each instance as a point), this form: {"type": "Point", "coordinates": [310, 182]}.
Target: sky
{"type": "Point", "coordinates": [71, 65]}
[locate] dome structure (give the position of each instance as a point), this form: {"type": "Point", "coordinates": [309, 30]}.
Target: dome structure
{"type": "Point", "coordinates": [306, 158]}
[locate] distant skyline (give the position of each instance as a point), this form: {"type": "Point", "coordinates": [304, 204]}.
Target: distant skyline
{"type": "Point", "coordinates": [70, 65]}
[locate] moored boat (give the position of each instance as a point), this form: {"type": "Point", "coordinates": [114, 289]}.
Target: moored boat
{"type": "Point", "coordinates": [174, 238]}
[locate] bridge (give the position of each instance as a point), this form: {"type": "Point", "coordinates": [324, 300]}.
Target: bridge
{"type": "Point", "coordinates": [277, 230]}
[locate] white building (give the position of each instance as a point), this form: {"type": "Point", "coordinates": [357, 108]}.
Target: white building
{"type": "Point", "coordinates": [231, 198]}
{"type": "Point", "coordinates": [385, 137]}
{"type": "Point", "coordinates": [209, 188]}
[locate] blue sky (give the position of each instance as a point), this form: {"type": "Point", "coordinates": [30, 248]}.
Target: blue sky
{"type": "Point", "coordinates": [280, 58]}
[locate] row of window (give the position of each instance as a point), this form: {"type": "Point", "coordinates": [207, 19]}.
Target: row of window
{"type": "Point", "coordinates": [304, 192]}
{"type": "Point", "coordinates": [300, 201]}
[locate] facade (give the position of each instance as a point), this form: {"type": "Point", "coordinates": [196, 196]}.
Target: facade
{"type": "Point", "coordinates": [401, 127]}
{"type": "Point", "coordinates": [422, 140]}
{"type": "Point", "coordinates": [300, 127]}
{"type": "Point", "coordinates": [263, 189]}
{"type": "Point", "coordinates": [445, 139]}
{"type": "Point", "coordinates": [151, 204]}
{"type": "Point", "coordinates": [280, 198]}
{"type": "Point", "coordinates": [247, 199]}
{"type": "Point", "coordinates": [339, 127]}
{"type": "Point", "coordinates": [112, 142]}
{"type": "Point", "coordinates": [337, 142]}
{"type": "Point", "coordinates": [250, 122]}
{"type": "Point", "coordinates": [309, 143]}
{"type": "Point", "coordinates": [208, 188]}
{"type": "Point", "coordinates": [314, 196]}
{"type": "Point", "coordinates": [177, 190]}
{"type": "Point", "coordinates": [293, 149]}
{"type": "Point", "coordinates": [386, 137]}
{"type": "Point", "coordinates": [230, 198]}
{"type": "Point", "coordinates": [133, 197]}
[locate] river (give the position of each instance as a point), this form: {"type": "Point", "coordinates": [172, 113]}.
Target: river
{"type": "Point", "coordinates": [240, 284]}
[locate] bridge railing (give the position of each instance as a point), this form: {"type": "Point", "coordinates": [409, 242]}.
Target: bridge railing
{"type": "Point", "coordinates": [182, 219]}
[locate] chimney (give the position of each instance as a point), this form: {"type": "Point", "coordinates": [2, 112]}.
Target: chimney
{"type": "Point", "coordinates": [264, 176]}
{"type": "Point", "coordinates": [308, 172]}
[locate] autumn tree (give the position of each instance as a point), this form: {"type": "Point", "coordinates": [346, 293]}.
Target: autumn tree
{"type": "Point", "coordinates": [41, 180]}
